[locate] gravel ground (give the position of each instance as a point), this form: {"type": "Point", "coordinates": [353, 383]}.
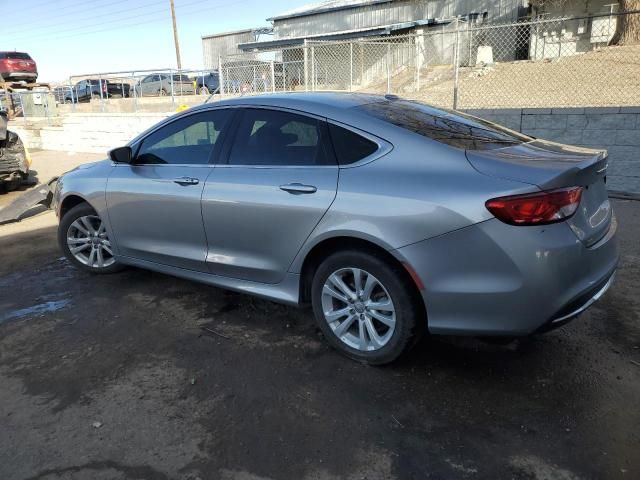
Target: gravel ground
{"type": "Point", "coordinates": [605, 77]}
{"type": "Point", "coordinates": [113, 377]}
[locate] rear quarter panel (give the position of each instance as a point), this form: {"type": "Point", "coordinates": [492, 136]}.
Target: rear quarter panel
{"type": "Point", "coordinates": [420, 190]}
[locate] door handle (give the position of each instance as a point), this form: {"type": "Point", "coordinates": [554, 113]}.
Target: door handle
{"type": "Point", "coordinates": [298, 188]}
{"type": "Point", "coordinates": [186, 181]}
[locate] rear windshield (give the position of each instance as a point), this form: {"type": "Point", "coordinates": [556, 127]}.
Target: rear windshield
{"type": "Point", "coordinates": [445, 126]}
{"type": "Point", "coordinates": [181, 78]}
{"type": "Point", "coordinates": [15, 55]}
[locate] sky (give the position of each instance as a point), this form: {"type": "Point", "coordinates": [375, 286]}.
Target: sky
{"type": "Point", "coordinates": [75, 37]}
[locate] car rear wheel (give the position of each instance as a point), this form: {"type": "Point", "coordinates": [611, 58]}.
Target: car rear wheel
{"type": "Point", "coordinates": [366, 307]}
{"type": "Point", "coordinates": [85, 242]}
{"type": "Point", "coordinates": [162, 93]}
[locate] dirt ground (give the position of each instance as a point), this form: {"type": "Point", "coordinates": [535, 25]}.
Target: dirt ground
{"type": "Point", "coordinates": [606, 77]}
{"type": "Point", "coordinates": [113, 377]}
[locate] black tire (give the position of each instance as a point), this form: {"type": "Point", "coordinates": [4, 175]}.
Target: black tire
{"type": "Point", "coordinates": [162, 92]}
{"type": "Point", "coordinates": [81, 210]}
{"type": "Point", "coordinates": [410, 316]}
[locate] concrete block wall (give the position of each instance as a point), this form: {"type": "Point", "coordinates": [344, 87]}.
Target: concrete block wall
{"type": "Point", "coordinates": [616, 129]}
{"type": "Point", "coordinates": [88, 132]}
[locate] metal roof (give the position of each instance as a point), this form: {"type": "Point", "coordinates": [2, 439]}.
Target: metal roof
{"type": "Point", "coordinates": [327, 6]}
{"type": "Point", "coordinates": [233, 32]}
{"type": "Point", "coordinates": [345, 34]}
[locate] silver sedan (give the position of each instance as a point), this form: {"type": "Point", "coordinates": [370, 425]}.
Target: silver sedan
{"type": "Point", "coordinates": [391, 217]}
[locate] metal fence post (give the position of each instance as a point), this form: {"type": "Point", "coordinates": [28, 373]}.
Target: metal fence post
{"type": "Point", "coordinates": [273, 77]}
{"type": "Point", "coordinates": [456, 66]}
{"type": "Point", "coordinates": [135, 92]}
{"type": "Point", "coordinates": [284, 75]}
{"type": "Point", "coordinates": [350, 66]}
{"type": "Point", "coordinates": [220, 76]}
{"type": "Point", "coordinates": [46, 106]}
{"type": "Point", "coordinates": [101, 94]}
{"type": "Point", "coordinates": [313, 68]}
{"type": "Point", "coordinates": [418, 61]}
{"type": "Point", "coordinates": [560, 38]}
{"type": "Point", "coordinates": [388, 68]}
{"type": "Point", "coordinates": [254, 83]}
{"type": "Point", "coordinates": [173, 98]}
{"type": "Point", "coordinates": [306, 68]}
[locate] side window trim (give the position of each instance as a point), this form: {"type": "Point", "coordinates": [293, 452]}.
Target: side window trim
{"type": "Point", "coordinates": [326, 144]}
{"type": "Point", "coordinates": [224, 134]}
{"type": "Point", "coordinates": [384, 147]}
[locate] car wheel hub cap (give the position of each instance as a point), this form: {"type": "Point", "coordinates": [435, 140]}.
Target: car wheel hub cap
{"type": "Point", "coordinates": [89, 243]}
{"type": "Point", "coordinates": [358, 309]}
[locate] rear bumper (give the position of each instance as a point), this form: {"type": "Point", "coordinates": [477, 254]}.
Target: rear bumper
{"type": "Point", "coordinates": [18, 75]}
{"type": "Point", "coordinates": [579, 305]}
{"type": "Point", "coordinates": [496, 279]}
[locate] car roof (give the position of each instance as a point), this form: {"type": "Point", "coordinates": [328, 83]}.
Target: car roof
{"type": "Point", "coordinates": [318, 103]}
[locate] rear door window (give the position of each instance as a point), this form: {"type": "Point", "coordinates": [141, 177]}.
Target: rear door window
{"type": "Point", "coordinates": [277, 138]}
{"type": "Point", "coordinates": [445, 126]}
{"type": "Point", "coordinates": [349, 146]}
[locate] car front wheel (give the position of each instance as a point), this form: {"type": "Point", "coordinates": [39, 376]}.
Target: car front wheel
{"type": "Point", "coordinates": [84, 240]}
{"type": "Point", "coordinates": [366, 306]}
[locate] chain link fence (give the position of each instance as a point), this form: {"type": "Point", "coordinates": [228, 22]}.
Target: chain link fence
{"type": "Point", "coordinates": [544, 62]}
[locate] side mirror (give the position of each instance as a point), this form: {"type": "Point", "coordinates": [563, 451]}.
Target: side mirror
{"type": "Point", "coordinates": [121, 155]}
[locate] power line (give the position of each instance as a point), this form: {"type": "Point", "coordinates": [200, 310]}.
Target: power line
{"type": "Point", "coordinates": [145, 22]}
{"type": "Point", "coordinates": [94, 15]}
{"type": "Point", "coordinates": [76, 19]}
{"type": "Point", "coordinates": [129, 17]}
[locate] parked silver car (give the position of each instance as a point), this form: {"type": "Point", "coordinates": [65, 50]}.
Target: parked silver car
{"type": "Point", "coordinates": [163, 84]}
{"type": "Point", "coordinates": [390, 217]}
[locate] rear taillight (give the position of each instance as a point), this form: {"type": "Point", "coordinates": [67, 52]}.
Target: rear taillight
{"type": "Point", "coordinates": [536, 208]}
{"type": "Point", "coordinates": [104, 87]}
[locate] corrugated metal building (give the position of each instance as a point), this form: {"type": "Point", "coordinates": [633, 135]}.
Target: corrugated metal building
{"type": "Point", "coordinates": [343, 19]}
{"type": "Point", "coordinates": [222, 44]}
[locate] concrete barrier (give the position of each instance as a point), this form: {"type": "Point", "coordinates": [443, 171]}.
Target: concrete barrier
{"type": "Point", "coordinates": [88, 132]}
{"type": "Point", "coordinates": [615, 128]}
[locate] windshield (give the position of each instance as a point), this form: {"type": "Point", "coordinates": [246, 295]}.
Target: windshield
{"type": "Point", "coordinates": [446, 126]}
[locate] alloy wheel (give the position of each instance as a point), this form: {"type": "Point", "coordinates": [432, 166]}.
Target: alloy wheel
{"type": "Point", "coordinates": [358, 309]}
{"type": "Point", "coordinates": [89, 243]}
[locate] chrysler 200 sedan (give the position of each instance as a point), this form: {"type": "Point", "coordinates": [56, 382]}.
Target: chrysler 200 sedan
{"type": "Point", "coordinates": [391, 217]}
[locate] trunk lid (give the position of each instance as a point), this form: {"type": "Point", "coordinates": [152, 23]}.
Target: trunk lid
{"type": "Point", "coordinates": [550, 165]}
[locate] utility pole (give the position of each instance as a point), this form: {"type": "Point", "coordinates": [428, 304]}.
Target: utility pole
{"type": "Point", "coordinates": [175, 34]}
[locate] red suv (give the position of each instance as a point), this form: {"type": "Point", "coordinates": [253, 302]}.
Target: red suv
{"type": "Point", "coordinates": [17, 66]}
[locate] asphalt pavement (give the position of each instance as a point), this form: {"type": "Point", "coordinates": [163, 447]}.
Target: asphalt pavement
{"type": "Point", "coordinates": [139, 375]}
